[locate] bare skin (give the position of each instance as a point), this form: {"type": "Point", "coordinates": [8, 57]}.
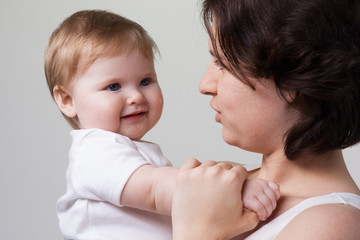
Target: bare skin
{"type": "Point", "coordinates": [305, 178]}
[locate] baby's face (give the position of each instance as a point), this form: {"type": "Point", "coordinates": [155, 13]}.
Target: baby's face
{"type": "Point", "coordinates": [119, 94]}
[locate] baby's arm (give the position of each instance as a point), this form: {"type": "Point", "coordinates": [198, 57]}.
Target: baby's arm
{"type": "Point", "coordinates": [260, 196]}
{"type": "Point", "coordinates": [151, 189]}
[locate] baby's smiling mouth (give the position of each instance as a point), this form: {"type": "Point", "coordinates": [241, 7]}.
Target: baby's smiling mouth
{"type": "Point", "coordinates": [133, 116]}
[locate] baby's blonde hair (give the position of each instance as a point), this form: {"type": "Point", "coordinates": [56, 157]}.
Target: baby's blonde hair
{"type": "Point", "coordinates": [91, 34]}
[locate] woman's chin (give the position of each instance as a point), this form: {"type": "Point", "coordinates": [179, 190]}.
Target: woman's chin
{"type": "Point", "coordinates": [230, 139]}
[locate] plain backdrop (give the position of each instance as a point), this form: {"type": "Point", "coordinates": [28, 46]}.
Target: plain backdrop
{"type": "Point", "coordinates": [34, 138]}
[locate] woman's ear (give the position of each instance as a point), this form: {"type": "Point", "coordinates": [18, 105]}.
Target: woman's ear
{"type": "Point", "coordinates": [290, 96]}
{"type": "Point", "coordinates": [64, 101]}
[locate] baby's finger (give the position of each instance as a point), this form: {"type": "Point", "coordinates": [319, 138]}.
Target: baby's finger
{"type": "Point", "coordinates": [276, 188]}
{"type": "Point", "coordinates": [264, 206]}
{"type": "Point", "coordinates": [256, 206]}
{"type": "Point", "coordinates": [272, 197]}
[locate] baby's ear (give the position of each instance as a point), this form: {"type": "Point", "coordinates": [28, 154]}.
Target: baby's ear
{"type": "Point", "coordinates": [64, 101]}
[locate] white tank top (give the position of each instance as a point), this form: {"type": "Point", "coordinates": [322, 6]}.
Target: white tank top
{"type": "Point", "coordinates": [273, 228]}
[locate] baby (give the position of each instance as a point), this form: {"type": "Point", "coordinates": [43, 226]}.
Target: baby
{"type": "Point", "coordinates": [100, 71]}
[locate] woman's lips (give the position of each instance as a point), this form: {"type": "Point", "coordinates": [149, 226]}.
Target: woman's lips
{"type": "Point", "coordinates": [217, 117]}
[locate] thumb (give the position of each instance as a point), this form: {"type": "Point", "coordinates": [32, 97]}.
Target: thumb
{"type": "Point", "coordinates": [249, 221]}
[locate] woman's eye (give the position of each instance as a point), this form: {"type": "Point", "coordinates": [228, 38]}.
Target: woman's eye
{"type": "Point", "coordinates": [113, 87]}
{"type": "Point", "coordinates": [145, 82]}
{"type": "Point", "coordinates": [219, 64]}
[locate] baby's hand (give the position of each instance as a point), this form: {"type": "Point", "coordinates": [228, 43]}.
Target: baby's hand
{"type": "Point", "coordinates": [260, 196]}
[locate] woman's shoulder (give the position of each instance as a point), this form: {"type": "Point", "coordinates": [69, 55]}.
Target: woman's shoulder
{"type": "Point", "coordinates": [327, 221]}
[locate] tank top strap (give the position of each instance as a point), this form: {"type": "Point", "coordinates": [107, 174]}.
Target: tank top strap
{"type": "Point", "coordinates": [273, 228]}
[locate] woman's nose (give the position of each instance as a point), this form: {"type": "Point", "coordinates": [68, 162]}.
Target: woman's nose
{"type": "Point", "coordinates": [208, 83]}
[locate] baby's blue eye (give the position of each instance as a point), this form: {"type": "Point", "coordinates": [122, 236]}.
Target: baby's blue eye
{"type": "Point", "coordinates": [113, 87]}
{"type": "Point", "coordinates": [145, 82]}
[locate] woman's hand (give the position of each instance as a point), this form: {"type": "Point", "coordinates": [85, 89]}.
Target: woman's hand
{"type": "Point", "coordinates": [207, 202]}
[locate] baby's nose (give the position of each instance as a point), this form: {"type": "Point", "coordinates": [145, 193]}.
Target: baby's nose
{"type": "Point", "coordinates": [135, 97]}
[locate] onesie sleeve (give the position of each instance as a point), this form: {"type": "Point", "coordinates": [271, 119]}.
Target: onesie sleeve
{"type": "Point", "coordinates": [101, 164]}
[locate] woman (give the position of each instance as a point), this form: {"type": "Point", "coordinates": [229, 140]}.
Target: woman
{"type": "Point", "coordinates": [285, 82]}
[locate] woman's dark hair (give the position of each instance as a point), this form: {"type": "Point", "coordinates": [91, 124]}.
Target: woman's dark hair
{"type": "Point", "coordinates": [310, 49]}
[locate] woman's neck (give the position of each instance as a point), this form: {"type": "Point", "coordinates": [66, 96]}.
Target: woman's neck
{"type": "Point", "coordinates": [309, 175]}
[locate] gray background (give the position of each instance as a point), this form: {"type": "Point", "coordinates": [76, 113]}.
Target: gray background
{"type": "Point", "coordinates": [34, 138]}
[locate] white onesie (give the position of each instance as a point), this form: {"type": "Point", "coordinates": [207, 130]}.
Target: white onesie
{"type": "Point", "coordinates": [100, 164]}
{"type": "Point", "coordinates": [273, 228]}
